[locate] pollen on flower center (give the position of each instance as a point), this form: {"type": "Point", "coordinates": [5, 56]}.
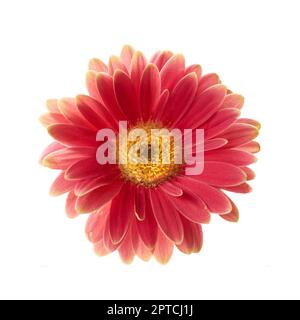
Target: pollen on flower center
{"type": "Point", "coordinates": [150, 159]}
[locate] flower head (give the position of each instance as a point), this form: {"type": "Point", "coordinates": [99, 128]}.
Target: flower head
{"type": "Point", "coordinates": [141, 207]}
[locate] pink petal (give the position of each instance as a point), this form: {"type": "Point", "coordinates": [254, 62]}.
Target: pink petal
{"type": "Point", "coordinates": [172, 71]}
{"type": "Point", "coordinates": [68, 108]}
{"type": "Point", "coordinates": [126, 250]}
{"type": "Point", "coordinates": [194, 68]}
{"type": "Point", "coordinates": [239, 134]}
{"type": "Point", "coordinates": [84, 169]}
{"type": "Point", "coordinates": [97, 65]}
{"type": "Point", "coordinates": [91, 84]}
{"type": "Point", "coordinates": [121, 214]}
{"type": "Point", "coordinates": [208, 81]}
{"type": "Point", "coordinates": [48, 119]}
{"type": "Point", "coordinates": [215, 199]}
{"type": "Point", "coordinates": [253, 123]}
{"type": "Point", "coordinates": [163, 249]}
{"type": "Point", "coordinates": [235, 157]}
{"type": "Point", "coordinates": [115, 64]}
{"type": "Point", "coordinates": [166, 216]}
{"type": "Point", "coordinates": [138, 65]}
{"type": "Point", "coordinates": [70, 205]}
{"type": "Point", "coordinates": [71, 135]}
{"type": "Point", "coordinates": [198, 238]}
{"type": "Point", "coordinates": [149, 90]}
{"type": "Point", "coordinates": [233, 100]}
{"type": "Point", "coordinates": [53, 147]}
{"type": "Point", "coordinates": [61, 185]}
{"type": "Point", "coordinates": [171, 189]}
{"type": "Point", "coordinates": [204, 107]}
{"type": "Point", "coordinates": [100, 249]}
{"type": "Point", "coordinates": [147, 228]}
{"type": "Point", "coordinates": [251, 146]}
{"type": "Point", "coordinates": [191, 206]}
{"type": "Point", "coordinates": [88, 185]}
{"type": "Point", "coordinates": [242, 188]}
{"type": "Point", "coordinates": [214, 144]}
{"type": "Point", "coordinates": [83, 101]}
{"type": "Point", "coordinates": [63, 158]}
{"type": "Point", "coordinates": [232, 216]}
{"type": "Point", "coordinates": [126, 56]}
{"type": "Point", "coordinates": [160, 106]}
{"type": "Point", "coordinates": [96, 224]}
{"type": "Point", "coordinates": [221, 174]}
{"type": "Point", "coordinates": [140, 203]}
{"type": "Point", "coordinates": [51, 105]}
{"type": "Point", "coordinates": [106, 90]}
{"type": "Point", "coordinates": [98, 197]}
{"type": "Point", "coordinates": [126, 95]}
{"type": "Point", "coordinates": [187, 245]}
{"type": "Point", "coordinates": [220, 122]}
{"type": "Point", "coordinates": [249, 172]}
{"type": "Point", "coordinates": [161, 58]}
{"type": "Point", "coordinates": [180, 99]}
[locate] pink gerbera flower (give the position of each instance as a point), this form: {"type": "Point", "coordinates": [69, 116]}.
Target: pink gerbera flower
{"type": "Point", "coordinates": [146, 209]}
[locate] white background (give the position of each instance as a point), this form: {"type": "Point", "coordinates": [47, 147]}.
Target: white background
{"type": "Point", "coordinates": [44, 50]}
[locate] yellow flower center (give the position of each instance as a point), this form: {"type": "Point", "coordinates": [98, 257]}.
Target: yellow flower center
{"type": "Point", "coordinates": [150, 158]}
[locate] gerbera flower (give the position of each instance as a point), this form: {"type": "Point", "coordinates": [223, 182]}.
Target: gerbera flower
{"type": "Point", "coordinates": [147, 209]}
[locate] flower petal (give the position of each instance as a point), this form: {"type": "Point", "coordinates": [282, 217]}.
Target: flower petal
{"type": "Point", "coordinates": [147, 228]}
{"type": "Point", "coordinates": [166, 216]}
{"type": "Point", "coordinates": [140, 203]}
{"type": "Point", "coordinates": [105, 115]}
{"type": "Point", "coordinates": [207, 81]}
{"type": "Point", "coordinates": [126, 250]}
{"type": "Point", "coordinates": [68, 108]}
{"type": "Point", "coordinates": [63, 158]}
{"type": "Point", "coordinates": [251, 146]}
{"type": "Point", "coordinates": [214, 144]}
{"type": "Point", "coordinates": [221, 174]}
{"type": "Point", "coordinates": [126, 95]}
{"type": "Point", "coordinates": [161, 58]}
{"type": "Point", "coordinates": [235, 157]}
{"type": "Point", "coordinates": [163, 248]}
{"type": "Point", "coordinates": [239, 134]}
{"type": "Point", "coordinates": [241, 188]}
{"type": "Point", "coordinates": [232, 216]}
{"type": "Point", "coordinates": [88, 185]}
{"type": "Point", "coordinates": [220, 122]}
{"type": "Point", "coordinates": [126, 56]}
{"type": "Point", "coordinates": [233, 100]}
{"type": "Point", "coordinates": [106, 90]}
{"type": "Point", "coordinates": [171, 189]}
{"type": "Point", "coordinates": [70, 205]}
{"type": "Point", "coordinates": [61, 185]}
{"type": "Point", "coordinates": [121, 214]}
{"type": "Point", "coordinates": [71, 135]}
{"type": "Point", "coordinates": [215, 199]}
{"type": "Point", "coordinates": [180, 99]}
{"type": "Point", "coordinates": [149, 90]}
{"type": "Point", "coordinates": [194, 68]}
{"type": "Point", "coordinates": [138, 64]}
{"type": "Point", "coordinates": [91, 84]}
{"type": "Point", "coordinates": [253, 123]}
{"type": "Point", "coordinates": [249, 172]}
{"type": "Point", "coordinates": [115, 64]}
{"type": "Point", "coordinates": [97, 65]}
{"type": "Point", "coordinates": [191, 206]}
{"type": "Point", "coordinates": [204, 107]}
{"type": "Point", "coordinates": [85, 168]}
{"type": "Point", "coordinates": [53, 147]}
{"type": "Point", "coordinates": [98, 197]}
{"type": "Point", "coordinates": [48, 119]}
{"type": "Point", "coordinates": [51, 105]}
{"type": "Point", "coordinates": [172, 71]}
